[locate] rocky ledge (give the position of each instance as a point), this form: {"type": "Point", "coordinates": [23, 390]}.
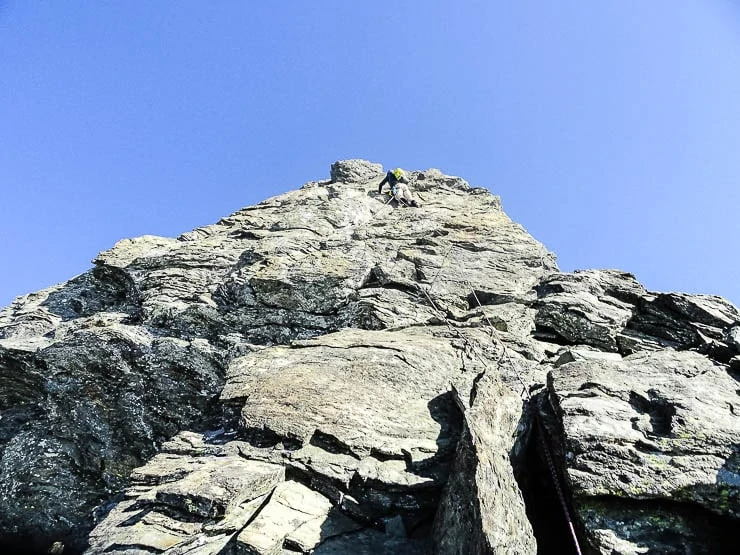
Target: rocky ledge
{"type": "Point", "coordinates": [326, 372]}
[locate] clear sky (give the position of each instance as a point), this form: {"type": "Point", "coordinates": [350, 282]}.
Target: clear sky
{"type": "Point", "coordinates": [611, 129]}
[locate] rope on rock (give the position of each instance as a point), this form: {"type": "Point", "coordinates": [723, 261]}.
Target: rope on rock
{"type": "Point", "coordinates": [442, 314]}
{"type": "Point", "coordinates": [505, 357]}
{"type": "Point", "coordinates": [454, 330]}
{"type": "Point", "coordinates": [441, 266]}
{"type": "Point", "coordinates": [556, 482]}
{"type": "Point", "coordinates": [379, 210]}
{"type": "Point", "coordinates": [540, 428]}
{"type": "Point", "coordinates": [496, 339]}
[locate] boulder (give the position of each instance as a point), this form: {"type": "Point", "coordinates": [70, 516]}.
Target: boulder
{"type": "Point", "coordinates": [293, 511]}
{"type": "Point", "coordinates": [355, 171]}
{"type": "Point", "coordinates": [610, 311]}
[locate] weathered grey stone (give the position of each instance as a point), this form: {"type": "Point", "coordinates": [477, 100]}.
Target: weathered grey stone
{"type": "Point", "coordinates": [362, 376]}
{"type": "Point", "coordinates": [394, 526]}
{"type": "Point", "coordinates": [732, 338]}
{"type": "Point", "coordinates": [372, 542]}
{"type": "Point", "coordinates": [588, 307]}
{"type": "Point", "coordinates": [360, 171]}
{"type": "Point", "coordinates": [354, 333]}
{"type": "Point", "coordinates": [152, 531]}
{"type": "Point", "coordinates": [310, 535]}
{"type": "Point", "coordinates": [631, 341]}
{"type": "Point", "coordinates": [98, 407]}
{"type": "Point", "coordinates": [654, 427]}
{"type": "Point", "coordinates": [140, 342]}
{"type": "Point", "coordinates": [513, 318]}
{"type": "Point", "coordinates": [187, 503]}
{"type": "Point", "coordinates": [709, 310]}
{"type": "Point", "coordinates": [620, 526]}
{"type": "Point", "coordinates": [340, 393]}
{"type": "Point", "coordinates": [482, 510]}
{"type": "Point", "coordinates": [573, 355]}
{"type": "Point", "coordinates": [609, 310]}
{"type": "Point", "coordinates": [291, 507]}
{"type": "Point", "coordinates": [219, 487]}
{"type": "Point", "coordinates": [686, 321]}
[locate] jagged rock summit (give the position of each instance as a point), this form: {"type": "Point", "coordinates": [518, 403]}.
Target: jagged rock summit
{"type": "Point", "coordinates": [327, 373]}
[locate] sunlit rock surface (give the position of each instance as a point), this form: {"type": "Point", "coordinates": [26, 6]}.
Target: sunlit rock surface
{"type": "Point", "coordinates": [326, 372]}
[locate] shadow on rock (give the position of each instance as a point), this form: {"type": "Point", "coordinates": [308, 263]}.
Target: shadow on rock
{"type": "Point", "coordinates": [446, 413]}
{"type": "Point", "coordinates": [539, 489]}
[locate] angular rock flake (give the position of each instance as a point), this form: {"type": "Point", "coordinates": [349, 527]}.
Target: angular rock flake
{"type": "Point", "coordinates": [326, 372]}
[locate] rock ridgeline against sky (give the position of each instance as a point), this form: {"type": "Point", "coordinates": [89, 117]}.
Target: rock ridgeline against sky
{"type": "Point", "coordinates": [314, 374]}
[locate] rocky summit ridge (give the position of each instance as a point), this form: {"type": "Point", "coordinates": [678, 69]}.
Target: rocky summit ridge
{"type": "Point", "coordinates": [327, 373]}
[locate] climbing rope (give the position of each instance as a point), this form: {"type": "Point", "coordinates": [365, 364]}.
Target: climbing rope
{"type": "Point", "coordinates": [556, 482]}
{"type": "Point", "coordinates": [496, 339]}
{"type": "Point", "coordinates": [540, 429]}
{"type": "Point", "coordinates": [441, 266]}
{"type": "Point", "coordinates": [499, 343]}
{"type": "Point", "coordinates": [379, 210]}
{"type": "Point", "coordinates": [442, 314]}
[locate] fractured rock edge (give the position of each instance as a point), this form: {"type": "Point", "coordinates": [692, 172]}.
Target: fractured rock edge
{"type": "Point", "coordinates": [290, 271]}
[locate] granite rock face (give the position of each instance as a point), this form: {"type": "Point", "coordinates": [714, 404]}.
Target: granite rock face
{"type": "Point", "coordinates": [328, 373]}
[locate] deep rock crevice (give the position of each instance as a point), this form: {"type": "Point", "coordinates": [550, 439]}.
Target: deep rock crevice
{"type": "Point", "coordinates": [280, 380]}
{"type": "Point", "coordinates": [541, 497]}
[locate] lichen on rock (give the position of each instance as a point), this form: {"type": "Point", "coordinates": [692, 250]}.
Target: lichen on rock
{"type": "Point", "coordinates": [326, 372]}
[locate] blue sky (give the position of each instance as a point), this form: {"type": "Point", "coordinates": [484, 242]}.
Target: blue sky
{"type": "Point", "coordinates": [610, 129]}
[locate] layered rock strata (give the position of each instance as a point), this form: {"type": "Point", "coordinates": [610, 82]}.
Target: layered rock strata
{"type": "Point", "coordinates": [328, 373]}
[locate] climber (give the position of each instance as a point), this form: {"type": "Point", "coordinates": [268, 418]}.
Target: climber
{"type": "Point", "coordinates": [397, 181]}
